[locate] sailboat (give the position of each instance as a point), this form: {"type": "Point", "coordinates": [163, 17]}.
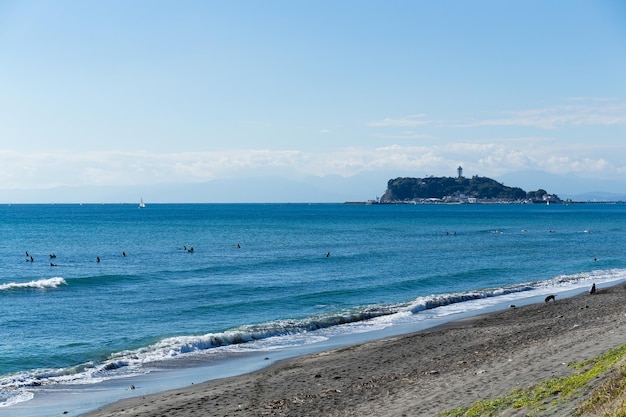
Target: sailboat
{"type": "Point", "coordinates": [141, 203]}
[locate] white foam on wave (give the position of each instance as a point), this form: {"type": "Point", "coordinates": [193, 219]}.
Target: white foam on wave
{"type": "Point", "coordinates": [438, 306]}
{"type": "Point", "coordinates": [38, 284]}
{"type": "Point", "coordinates": [291, 333]}
{"type": "Point", "coordinates": [439, 300]}
{"type": "Point", "coordinates": [266, 336]}
{"type": "Point", "coordinates": [578, 280]}
{"type": "Point", "coordinates": [8, 399]}
{"type": "Point", "coordinates": [561, 283]}
{"type": "Point", "coordinates": [261, 337]}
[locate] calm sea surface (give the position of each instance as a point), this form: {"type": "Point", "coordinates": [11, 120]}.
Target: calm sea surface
{"type": "Point", "coordinates": [266, 277]}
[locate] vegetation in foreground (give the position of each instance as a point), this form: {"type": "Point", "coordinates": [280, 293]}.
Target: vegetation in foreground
{"type": "Point", "coordinates": [599, 385]}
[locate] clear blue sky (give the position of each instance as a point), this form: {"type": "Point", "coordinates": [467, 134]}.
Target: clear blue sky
{"type": "Point", "coordinates": [103, 93]}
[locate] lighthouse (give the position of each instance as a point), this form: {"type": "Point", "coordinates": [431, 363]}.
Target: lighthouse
{"type": "Point", "coordinates": [460, 171]}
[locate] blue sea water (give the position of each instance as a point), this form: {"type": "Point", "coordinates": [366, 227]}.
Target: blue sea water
{"type": "Point", "coordinates": [264, 278]}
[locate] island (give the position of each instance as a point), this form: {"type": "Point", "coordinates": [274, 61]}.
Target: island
{"type": "Point", "coordinates": [451, 190]}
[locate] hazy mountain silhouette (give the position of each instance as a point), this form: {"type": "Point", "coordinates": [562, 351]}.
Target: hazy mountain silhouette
{"type": "Point", "coordinates": [327, 189]}
{"type": "Point", "coordinates": [568, 186]}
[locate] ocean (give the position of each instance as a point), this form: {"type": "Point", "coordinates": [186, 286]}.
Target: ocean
{"type": "Point", "coordinates": [160, 296]}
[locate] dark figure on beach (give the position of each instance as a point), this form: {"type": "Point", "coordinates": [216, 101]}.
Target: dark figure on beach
{"type": "Point", "coordinates": [98, 259]}
{"type": "Point", "coordinates": [550, 297]}
{"type": "Point", "coordinates": [593, 289]}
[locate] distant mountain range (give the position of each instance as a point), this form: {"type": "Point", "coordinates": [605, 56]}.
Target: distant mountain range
{"type": "Point", "coordinates": [327, 189]}
{"type": "Point", "coordinates": [569, 186]}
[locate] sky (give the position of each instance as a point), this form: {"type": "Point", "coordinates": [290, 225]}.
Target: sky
{"type": "Point", "coordinates": [289, 101]}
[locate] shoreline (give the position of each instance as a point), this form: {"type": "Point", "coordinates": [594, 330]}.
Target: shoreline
{"type": "Point", "coordinates": [423, 373]}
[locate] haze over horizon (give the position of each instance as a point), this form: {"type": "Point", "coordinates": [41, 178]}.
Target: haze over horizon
{"type": "Point", "coordinates": [205, 101]}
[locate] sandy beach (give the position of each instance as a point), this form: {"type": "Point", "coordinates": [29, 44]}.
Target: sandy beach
{"type": "Point", "coordinates": [420, 374]}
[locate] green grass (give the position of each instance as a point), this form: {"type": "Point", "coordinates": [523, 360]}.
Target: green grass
{"type": "Point", "coordinates": [609, 399]}
{"type": "Point", "coordinates": [545, 394]}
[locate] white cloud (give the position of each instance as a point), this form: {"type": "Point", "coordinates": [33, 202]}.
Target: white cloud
{"type": "Point", "coordinates": [406, 135]}
{"type": "Point", "coordinates": [31, 170]}
{"type": "Point", "coordinates": [558, 116]}
{"type": "Point", "coordinates": [593, 112]}
{"type": "Point", "coordinates": [406, 121]}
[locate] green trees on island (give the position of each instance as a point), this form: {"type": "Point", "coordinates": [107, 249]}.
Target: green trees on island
{"type": "Point", "coordinates": [480, 188]}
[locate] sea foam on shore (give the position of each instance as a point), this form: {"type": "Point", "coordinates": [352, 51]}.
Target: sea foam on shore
{"type": "Point", "coordinates": [419, 374]}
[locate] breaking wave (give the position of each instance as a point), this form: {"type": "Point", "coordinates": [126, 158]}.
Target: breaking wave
{"type": "Point", "coordinates": [440, 300]}
{"type": "Point", "coordinates": [559, 283]}
{"type": "Point", "coordinates": [285, 333]}
{"type": "Point", "coordinates": [41, 284]}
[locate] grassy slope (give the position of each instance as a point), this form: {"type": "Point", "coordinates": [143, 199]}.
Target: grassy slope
{"type": "Point", "coordinates": [597, 389]}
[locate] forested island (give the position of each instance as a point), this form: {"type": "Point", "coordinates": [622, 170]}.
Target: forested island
{"type": "Point", "coordinates": [432, 190]}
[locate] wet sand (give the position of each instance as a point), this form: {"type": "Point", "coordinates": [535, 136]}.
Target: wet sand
{"type": "Point", "coordinates": [414, 375]}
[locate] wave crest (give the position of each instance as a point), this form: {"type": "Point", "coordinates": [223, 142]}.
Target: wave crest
{"type": "Point", "coordinates": [439, 300]}
{"type": "Point", "coordinates": [141, 360]}
{"type": "Point", "coordinates": [175, 346]}
{"type": "Point", "coordinates": [38, 284]}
